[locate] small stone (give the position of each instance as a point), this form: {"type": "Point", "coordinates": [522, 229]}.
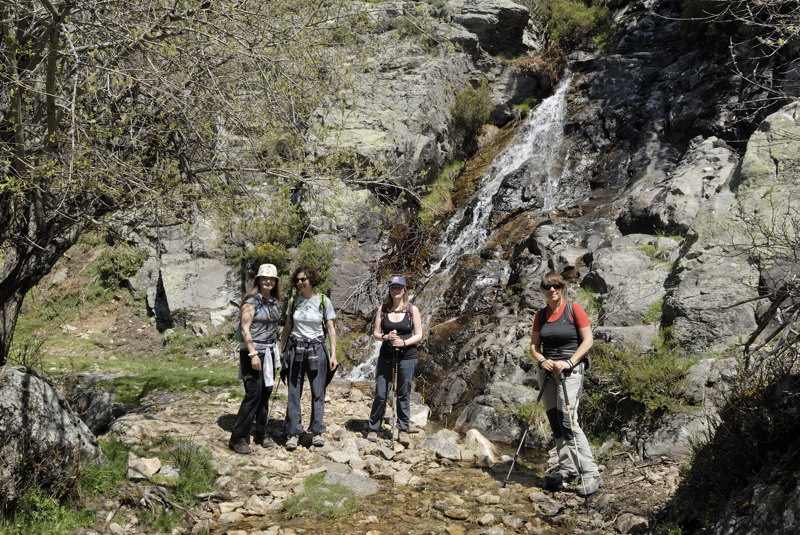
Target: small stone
{"type": "Point", "coordinates": [456, 513]}
{"type": "Point", "coordinates": [488, 499]}
{"type": "Point", "coordinates": [142, 468]}
{"type": "Point", "coordinates": [487, 519]}
{"type": "Point", "coordinates": [227, 507]}
{"type": "Point", "coordinates": [230, 518]}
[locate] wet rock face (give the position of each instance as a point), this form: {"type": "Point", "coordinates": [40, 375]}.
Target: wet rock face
{"type": "Point", "coordinates": [42, 441]}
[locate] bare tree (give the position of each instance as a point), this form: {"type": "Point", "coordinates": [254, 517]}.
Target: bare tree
{"type": "Point", "coordinates": [764, 41]}
{"type": "Point", "coordinates": [111, 104]}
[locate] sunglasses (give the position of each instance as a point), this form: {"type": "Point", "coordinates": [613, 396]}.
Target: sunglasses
{"type": "Point", "coordinates": [552, 286]}
{"type": "Point", "coordinates": [302, 279]}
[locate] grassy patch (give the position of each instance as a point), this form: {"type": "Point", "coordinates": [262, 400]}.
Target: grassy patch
{"type": "Point", "coordinates": [654, 311]}
{"type": "Point", "coordinates": [439, 200]}
{"type": "Point", "coordinates": [590, 303]}
{"type": "Point", "coordinates": [100, 478]}
{"type": "Point", "coordinates": [38, 513]}
{"type": "Point", "coordinates": [181, 374]}
{"type": "Point", "coordinates": [321, 499]}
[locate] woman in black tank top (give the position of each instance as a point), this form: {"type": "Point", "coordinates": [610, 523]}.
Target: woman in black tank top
{"type": "Point", "coordinates": [398, 326]}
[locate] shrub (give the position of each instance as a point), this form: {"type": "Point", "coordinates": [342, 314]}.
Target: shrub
{"type": "Point", "coordinates": [39, 513]}
{"type": "Point", "coordinates": [120, 262]}
{"type": "Point", "coordinates": [317, 254]}
{"type": "Point", "coordinates": [571, 24]}
{"type": "Point", "coordinates": [633, 386]}
{"type": "Point", "coordinates": [472, 108]}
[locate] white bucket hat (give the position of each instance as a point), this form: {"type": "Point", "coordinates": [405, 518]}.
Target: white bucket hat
{"type": "Point", "coordinates": [267, 270]}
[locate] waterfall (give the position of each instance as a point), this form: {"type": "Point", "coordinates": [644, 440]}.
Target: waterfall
{"type": "Point", "coordinates": [538, 140]}
{"type": "Point", "coordinates": [365, 371]}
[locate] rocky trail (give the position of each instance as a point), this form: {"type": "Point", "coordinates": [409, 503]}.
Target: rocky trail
{"type": "Point", "coordinates": [440, 483]}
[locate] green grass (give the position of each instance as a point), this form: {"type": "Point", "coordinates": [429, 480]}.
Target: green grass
{"type": "Point", "coordinates": [38, 513]}
{"type": "Point", "coordinates": [321, 499]}
{"type": "Point", "coordinates": [99, 478]}
{"type": "Point", "coordinates": [654, 311]}
{"type": "Point", "coordinates": [181, 374]}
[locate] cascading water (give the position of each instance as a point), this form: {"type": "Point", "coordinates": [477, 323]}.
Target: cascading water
{"type": "Point", "coordinates": [365, 371]}
{"type": "Point", "coordinates": [538, 140]}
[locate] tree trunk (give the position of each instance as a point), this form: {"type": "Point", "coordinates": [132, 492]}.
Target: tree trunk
{"type": "Point", "coordinates": [9, 311]}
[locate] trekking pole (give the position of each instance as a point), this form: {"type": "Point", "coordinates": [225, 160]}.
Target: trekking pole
{"type": "Point", "coordinates": [572, 429]}
{"type": "Point", "coordinates": [394, 393]}
{"type": "Point", "coordinates": [527, 427]}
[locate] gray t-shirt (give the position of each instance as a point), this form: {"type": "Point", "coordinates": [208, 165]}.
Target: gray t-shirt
{"type": "Point", "coordinates": [307, 318]}
{"type": "Point", "coordinates": [265, 322]}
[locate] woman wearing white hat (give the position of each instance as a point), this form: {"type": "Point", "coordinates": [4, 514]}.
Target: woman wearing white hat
{"type": "Point", "coordinates": [259, 358]}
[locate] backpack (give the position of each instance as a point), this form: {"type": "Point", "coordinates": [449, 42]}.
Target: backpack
{"type": "Point", "coordinates": [239, 336]}
{"type": "Point", "coordinates": [323, 306]}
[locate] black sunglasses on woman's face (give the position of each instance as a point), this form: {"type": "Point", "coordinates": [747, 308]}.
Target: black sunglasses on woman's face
{"type": "Point", "coordinates": [302, 279]}
{"type": "Point", "coordinates": [552, 286]}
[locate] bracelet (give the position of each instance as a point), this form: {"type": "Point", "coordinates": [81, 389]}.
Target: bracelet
{"type": "Point", "coordinates": [541, 362]}
{"type": "Point", "coordinates": [253, 354]}
{"type": "Point", "coordinates": [404, 343]}
{"type": "Point", "coordinates": [571, 365]}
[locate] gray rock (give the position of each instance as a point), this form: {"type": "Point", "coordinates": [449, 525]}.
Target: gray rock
{"type": "Point", "coordinates": [630, 523]}
{"type": "Point", "coordinates": [498, 24]}
{"type": "Point", "coordinates": [444, 444]}
{"type": "Point", "coordinates": [39, 429]}
{"type": "Point", "coordinates": [641, 336]}
{"type": "Point", "coordinates": [676, 437]}
{"type": "Point", "coordinates": [361, 485]}
{"type": "Point", "coordinates": [96, 409]}
{"type": "Point", "coordinates": [142, 468]}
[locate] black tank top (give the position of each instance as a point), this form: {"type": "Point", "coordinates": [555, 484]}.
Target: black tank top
{"type": "Point", "coordinates": [405, 330]}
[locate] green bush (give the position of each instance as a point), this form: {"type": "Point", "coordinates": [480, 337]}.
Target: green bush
{"type": "Point", "coordinates": [571, 23]}
{"type": "Point", "coordinates": [472, 108]}
{"type": "Point", "coordinates": [630, 386]}
{"type": "Point", "coordinates": [319, 255]}
{"type": "Point", "coordinates": [120, 262]}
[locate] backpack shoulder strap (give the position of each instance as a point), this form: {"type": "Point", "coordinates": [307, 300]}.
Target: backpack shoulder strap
{"type": "Point", "coordinates": [543, 315]}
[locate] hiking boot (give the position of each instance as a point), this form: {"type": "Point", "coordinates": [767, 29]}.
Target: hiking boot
{"type": "Point", "coordinates": [402, 438]}
{"type": "Point", "coordinates": [292, 442]}
{"type": "Point", "coordinates": [264, 442]}
{"type": "Point", "coordinates": [372, 436]}
{"type": "Point", "coordinates": [590, 485]}
{"type": "Point", "coordinates": [556, 480]}
{"type": "Point", "coordinates": [239, 446]}
{"type": "Point", "coordinates": [318, 440]}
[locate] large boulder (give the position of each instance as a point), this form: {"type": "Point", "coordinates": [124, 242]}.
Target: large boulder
{"type": "Point", "coordinates": [42, 441]}
{"type": "Point", "coordinates": [497, 24]}
{"type": "Point", "coordinates": [729, 243]}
